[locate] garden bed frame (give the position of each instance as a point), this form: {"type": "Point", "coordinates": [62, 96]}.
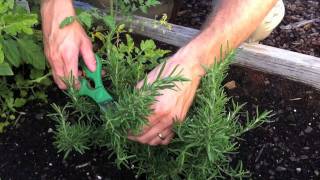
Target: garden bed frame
{"type": "Point", "coordinates": [295, 66]}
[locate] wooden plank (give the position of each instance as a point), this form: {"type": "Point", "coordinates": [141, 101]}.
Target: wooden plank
{"type": "Point", "coordinates": [177, 35]}
{"type": "Point", "coordinates": [292, 65]}
{"type": "Point", "coordinates": [295, 66]}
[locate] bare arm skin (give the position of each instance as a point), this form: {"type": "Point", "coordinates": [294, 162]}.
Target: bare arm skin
{"type": "Point", "coordinates": [63, 46]}
{"type": "Point", "coordinates": [232, 23]}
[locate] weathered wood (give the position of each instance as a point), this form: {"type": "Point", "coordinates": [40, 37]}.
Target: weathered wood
{"type": "Point", "coordinates": [177, 35]}
{"type": "Point", "coordinates": [292, 65]}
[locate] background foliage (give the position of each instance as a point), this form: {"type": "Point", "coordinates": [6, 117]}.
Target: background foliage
{"type": "Point", "coordinates": [22, 62]}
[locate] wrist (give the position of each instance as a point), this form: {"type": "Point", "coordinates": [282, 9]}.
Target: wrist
{"type": "Point", "coordinates": [53, 12]}
{"type": "Point", "coordinates": [57, 9]}
{"type": "Point", "coordinates": [45, 2]}
{"type": "Point", "coordinates": [188, 58]}
{"type": "Point", "coordinates": [197, 55]}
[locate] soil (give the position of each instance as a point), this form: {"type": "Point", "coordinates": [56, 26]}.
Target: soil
{"type": "Point", "coordinates": [28, 152]}
{"type": "Point", "coordinates": [303, 39]}
{"type": "Point", "coordinates": [287, 147]}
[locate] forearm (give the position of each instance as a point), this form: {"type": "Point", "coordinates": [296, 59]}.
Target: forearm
{"type": "Point", "coordinates": [232, 23]}
{"type": "Point", "coordinates": [53, 12]}
{"type": "Point", "coordinates": [55, 5]}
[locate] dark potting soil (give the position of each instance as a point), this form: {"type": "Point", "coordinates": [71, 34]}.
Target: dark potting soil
{"type": "Point", "coordinates": [288, 146]}
{"type": "Point", "coordinates": [303, 38]}
{"type": "Point", "coordinates": [27, 150]}
{"type": "Point", "coordinates": [304, 34]}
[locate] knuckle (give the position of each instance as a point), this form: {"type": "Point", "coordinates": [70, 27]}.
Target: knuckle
{"type": "Point", "coordinates": [69, 57]}
{"type": "Point", "coordinates": [62, 50]}
{"type": "Point", "coordinates": [161, 110]}
{"type": "Point", "coordinates": [67, 47]}
{"type": "Point", "coordinates": [53, 56]}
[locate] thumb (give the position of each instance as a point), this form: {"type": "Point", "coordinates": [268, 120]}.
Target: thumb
{"type": "Point", "coordinates": [88, 55]}
{"type": "Point", "coordinates": [139, 85]}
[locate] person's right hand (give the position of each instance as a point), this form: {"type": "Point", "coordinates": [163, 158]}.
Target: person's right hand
{"type": "Point", "coordinates": [63, 45]}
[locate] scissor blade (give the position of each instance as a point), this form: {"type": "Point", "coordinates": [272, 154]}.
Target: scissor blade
{"type": "Point", "coordinates": [106, 105]}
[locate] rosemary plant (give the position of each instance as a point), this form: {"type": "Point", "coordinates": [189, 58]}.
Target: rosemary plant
{"type": "Point", "coordinates": [203, 142]}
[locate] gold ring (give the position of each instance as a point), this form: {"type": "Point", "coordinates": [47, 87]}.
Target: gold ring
{"type": "Point", "coordinates": [161, 136]}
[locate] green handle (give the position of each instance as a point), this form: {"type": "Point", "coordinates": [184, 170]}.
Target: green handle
{"type": "Point", "coordinates": [98, 93]}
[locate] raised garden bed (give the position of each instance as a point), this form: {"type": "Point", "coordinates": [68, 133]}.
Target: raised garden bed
{"type": "Point", "coordinates": [286, 148]}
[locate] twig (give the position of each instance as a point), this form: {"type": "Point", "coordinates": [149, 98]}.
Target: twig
{"type": "Point", "coordinates": [82, 165]}
{"type": "Point", "coordinates": [295, 99]}
{"type": "Point", "coordinates": [298, 24]}
{"type": "Point", "coordinates": [260, 153]}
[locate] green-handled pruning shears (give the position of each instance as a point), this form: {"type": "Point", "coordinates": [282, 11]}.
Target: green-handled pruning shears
{"type": "Point", "coordinates": [98, 93]}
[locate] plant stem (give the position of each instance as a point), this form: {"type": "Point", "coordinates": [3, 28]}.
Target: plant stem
{"type": "Point", "coordinates": [111, 8]}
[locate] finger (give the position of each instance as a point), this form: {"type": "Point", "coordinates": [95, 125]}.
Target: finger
{"type": "Point", "coordinates": [58, 79]}
{"type": "Point", "coordinates": [150, 78]}
{"type": "Point", "coordinates": [153, 132]}
{"type": "Point", "coordinates": [88, 55]}
{"type": "Point", "coordinates": [133, 137]}
{"type": "Point", "coordinates": [56, 64]}
{"type": "Point", "coordinates": [152, 121]}
{"type": "Point", "coordinates": [139, 85]}
{"type": "Point", "coordinates": [157, 140]}
{"type": "Point", "coordinates": [168, 139]}
{"type": "Point", "coordinates": [144, 138]}
{"type": "Point", "coordinates": [70, 59]}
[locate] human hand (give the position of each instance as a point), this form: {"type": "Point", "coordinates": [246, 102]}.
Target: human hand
{"type": "Point", "coordinates": [171, 105]}
{"type": "Point", "coordinates": [63, 45]}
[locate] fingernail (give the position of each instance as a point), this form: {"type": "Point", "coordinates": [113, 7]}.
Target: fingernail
{"type": "Point", "coordinates": [62, 87]}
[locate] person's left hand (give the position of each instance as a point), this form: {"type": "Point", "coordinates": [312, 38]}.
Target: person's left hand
{"type": "Point", "coordinates": [171, 105]}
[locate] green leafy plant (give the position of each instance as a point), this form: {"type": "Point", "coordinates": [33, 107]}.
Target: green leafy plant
{"type": "Point", "coordinates": [22, 62]}
{"type": "Point", "coordinates": [128, 6]}
{"type": "Point", "coordinates": [203, 142]}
